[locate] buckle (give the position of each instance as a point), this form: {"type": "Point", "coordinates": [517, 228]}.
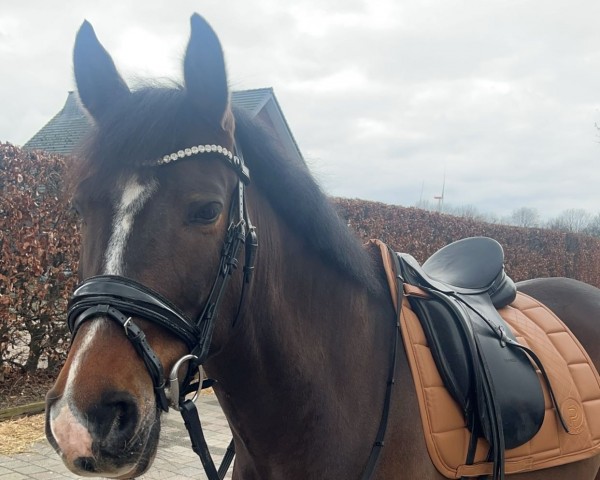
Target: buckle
{"type": "Point", "coordinates": [173, 388]}
{"type": "Point", "coordinates": [126, 326]}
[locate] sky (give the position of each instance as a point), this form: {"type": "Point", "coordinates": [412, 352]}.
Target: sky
{"type": "Point", "coordinates": [497, 101]}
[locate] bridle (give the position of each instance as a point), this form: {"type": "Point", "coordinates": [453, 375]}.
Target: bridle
{"type": "Point", "coordinates": [121, 299]}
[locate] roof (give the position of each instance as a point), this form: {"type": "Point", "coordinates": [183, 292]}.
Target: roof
{"type": "Point", "coordinates": [252, 100]}
{"type": "Point", "coordinates": [66, 129]}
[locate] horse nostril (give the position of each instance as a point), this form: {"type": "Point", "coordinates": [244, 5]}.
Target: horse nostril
{"type": "Point", "coordinates": [125, 416]}
{"type": "Point", "coordinates": [115, 418]}
{"type": "Point", "coordinates": [85, 464]}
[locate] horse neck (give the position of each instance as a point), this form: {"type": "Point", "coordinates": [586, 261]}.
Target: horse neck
{"type": "Point", "coordinates": [308, 363]}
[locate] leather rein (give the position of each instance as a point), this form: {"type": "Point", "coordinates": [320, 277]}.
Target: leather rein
{"type": "Point", "coordinates": [121, 299]}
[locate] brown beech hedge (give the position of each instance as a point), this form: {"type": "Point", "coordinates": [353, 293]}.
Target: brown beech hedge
{"type": "Point", "coordinates": [38, 255]}
{"type": "Point", "coordinates": [529, 252]}
{"type": "Point", "coordinates": [39, 245]}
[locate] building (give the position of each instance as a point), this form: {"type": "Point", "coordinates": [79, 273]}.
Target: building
{"type": "Point", "coordinates": [64, 131]}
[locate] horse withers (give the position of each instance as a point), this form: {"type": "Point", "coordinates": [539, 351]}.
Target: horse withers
{"type": "Point", "coordinates": [300, 352]}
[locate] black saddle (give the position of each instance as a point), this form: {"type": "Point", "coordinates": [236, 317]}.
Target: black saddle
{"type": "Point", "coordinates": [484, 368]}
{"type": "Point", "coordinates": [471, 266]}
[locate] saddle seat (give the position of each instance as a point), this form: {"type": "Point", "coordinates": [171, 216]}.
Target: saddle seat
{"type": "Point", "coordinates": [470, 266]}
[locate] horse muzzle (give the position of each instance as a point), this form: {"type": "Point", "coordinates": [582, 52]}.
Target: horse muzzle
{"type": "Point", "coordinates": [111, 438]}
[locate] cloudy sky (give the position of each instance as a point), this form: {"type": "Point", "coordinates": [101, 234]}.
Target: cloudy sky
{"type": "Point", "coordinates": [383, 96]}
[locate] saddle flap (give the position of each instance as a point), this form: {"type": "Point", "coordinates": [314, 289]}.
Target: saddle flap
{"type": "Point", "coordinates": [515, 385]}
{"type": "Point", "coordinates": [489, 381]}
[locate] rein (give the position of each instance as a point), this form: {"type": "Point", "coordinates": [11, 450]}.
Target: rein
{"type": "Point", "coordinates": [383, 423]}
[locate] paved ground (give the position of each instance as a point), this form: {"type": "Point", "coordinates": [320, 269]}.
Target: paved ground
{"type": "Point", "coordinates": [175, 458]}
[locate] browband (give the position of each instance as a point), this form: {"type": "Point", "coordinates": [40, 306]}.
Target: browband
{"type": "Point", "coordinates": [235, 162]}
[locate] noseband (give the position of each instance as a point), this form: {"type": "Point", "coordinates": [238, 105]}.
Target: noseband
{"type": "Point", "coordinates": [122, 299]}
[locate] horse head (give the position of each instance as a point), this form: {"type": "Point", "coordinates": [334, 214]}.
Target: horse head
{"type": "Point", "coordinates": [159, 190]}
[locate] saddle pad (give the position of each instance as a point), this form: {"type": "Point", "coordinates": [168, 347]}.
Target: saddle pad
{"type": "Point", "coordinates": [573, 377]}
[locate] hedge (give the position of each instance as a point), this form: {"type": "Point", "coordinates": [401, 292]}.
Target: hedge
{"type": "Point", "coordinates": [39, 243]}
{"type": "Point", "coordinates": [529, 252]}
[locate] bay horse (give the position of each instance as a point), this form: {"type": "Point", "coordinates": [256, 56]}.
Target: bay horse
{"type": "Point", "coordinates": [300, 353]}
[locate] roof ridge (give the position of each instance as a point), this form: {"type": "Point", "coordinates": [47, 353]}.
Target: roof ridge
{"type": "Point", "coordinates": [249, 90]}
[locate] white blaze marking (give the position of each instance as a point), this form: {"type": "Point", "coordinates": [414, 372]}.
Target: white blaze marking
{"type": "Point", "coordinates": [73, 438]}
{"type": "Point", "coordinates": [133, 199]}
{"type": "Point", "coordinates": [76, 363]}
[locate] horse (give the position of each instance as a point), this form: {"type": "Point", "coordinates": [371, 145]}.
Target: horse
{"type": "Point", "coordinates": [300, 344]}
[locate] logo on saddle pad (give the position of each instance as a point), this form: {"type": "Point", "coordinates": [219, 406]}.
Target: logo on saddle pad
{"type": "Point", "coordinates": [573, 415]}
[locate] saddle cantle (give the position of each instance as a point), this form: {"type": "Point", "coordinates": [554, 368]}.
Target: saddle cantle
{"type": "Point", "coordinates": [487, 371]}
{"type": "Point", "coordinates": [471, 266]}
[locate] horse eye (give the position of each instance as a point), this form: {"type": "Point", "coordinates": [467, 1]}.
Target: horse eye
{"type": "Point", "coordinates": [203, 213]}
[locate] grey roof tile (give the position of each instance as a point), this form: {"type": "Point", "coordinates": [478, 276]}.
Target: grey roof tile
{"type": "Point", "coordinates": [63, 132]}
{"type": "Point", "coordinates": [252, 100]}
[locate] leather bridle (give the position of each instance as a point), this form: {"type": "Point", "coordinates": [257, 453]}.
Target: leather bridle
{"type": "Point", "coordinates": [122, 299]}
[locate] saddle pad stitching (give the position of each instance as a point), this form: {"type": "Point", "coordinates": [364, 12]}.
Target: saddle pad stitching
{"type": "Point", "coordinates": [574, 342]}
{"type": "Point", "coordinates": [584, 362]}
{"type": "Point", "coordinates": [541, 454]}
{"type": "Point", "coordinates": [545, 456]}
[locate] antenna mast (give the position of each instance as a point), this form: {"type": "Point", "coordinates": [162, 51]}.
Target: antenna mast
{"type": "Point", "coordinates": [440, 198]}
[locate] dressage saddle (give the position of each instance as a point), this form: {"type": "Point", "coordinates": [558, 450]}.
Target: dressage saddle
{"type": "Point", "coordinates": [489, 374]}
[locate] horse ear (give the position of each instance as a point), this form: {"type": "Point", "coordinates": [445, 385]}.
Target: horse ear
{"type": "Point", "coordinates": [98, 83]}
{"type": "Point", "coordinates": [204, 72]}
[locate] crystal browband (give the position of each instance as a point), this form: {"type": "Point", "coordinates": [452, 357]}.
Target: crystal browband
{"type": "Point", "coordinates": [236, 162]}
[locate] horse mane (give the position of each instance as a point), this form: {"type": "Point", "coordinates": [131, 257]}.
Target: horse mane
{"type": "Point", "coordinates": [154, 121]}
{"type": "Point", "coordinates": [299, 201]}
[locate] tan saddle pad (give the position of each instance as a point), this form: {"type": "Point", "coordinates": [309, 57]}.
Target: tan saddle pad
{"type": "Point", "coordinates": [572, 374]}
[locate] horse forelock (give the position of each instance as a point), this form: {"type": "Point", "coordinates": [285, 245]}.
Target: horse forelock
{"type": "Point", "coordinates": [139, 130]}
